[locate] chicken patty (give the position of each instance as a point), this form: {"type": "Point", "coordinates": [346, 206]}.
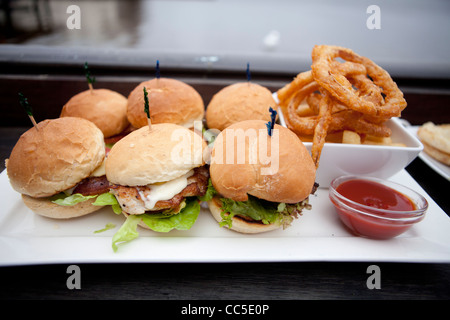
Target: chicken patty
{"type": "Point", "coordinates": [130, 198]}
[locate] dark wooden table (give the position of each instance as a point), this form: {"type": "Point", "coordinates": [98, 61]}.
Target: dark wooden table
{"type": "Point", "coordinates": [47, 91]}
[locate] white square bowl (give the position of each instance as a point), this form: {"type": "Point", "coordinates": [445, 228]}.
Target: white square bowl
{"type": "Point", "coordinates": [379, 161]}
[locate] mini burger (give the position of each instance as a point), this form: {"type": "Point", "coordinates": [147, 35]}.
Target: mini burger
{"type": "Point", "coordinates": [238, 102]}
{"type": "Point", "coordinates": [171, 101]}
{"type": "Point", "coordinates": [58, 167]}
{"type": "Point", "coordinates": [259, 182]}
{"type": "Point", "coordinates": [157, 176]}
{"type": "Point", "coordinates": [107, 109]}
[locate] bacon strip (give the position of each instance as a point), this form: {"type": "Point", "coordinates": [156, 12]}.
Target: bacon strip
{"type": "Point", "coordinates": [117, 137]}
{"type": "Point", "coordinates": [92, 186]}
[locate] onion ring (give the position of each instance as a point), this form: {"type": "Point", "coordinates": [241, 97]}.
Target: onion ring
{"type": "Point", "coordinates": [340, 87]}
{"type": "Point", "coordinates": [342, 119]}
{"type": "Point", "coordinates": [305, 78]}
{"type": "Point", "coordinates": [321, 129]}
{"type": "Point", "coordinates": [345, 120]}
{"type": "Point", "coordinates": [355, 95]}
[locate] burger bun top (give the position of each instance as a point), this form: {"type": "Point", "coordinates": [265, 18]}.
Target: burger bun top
{"type": "Point", "coordinates": [239, 102]}
{"type": "Point", "coordinates": [288, 177]}
{"type": "Point", "coordinates": [55, 156]}
{"type": "Point", "coordinates": [162, 153]}
{"type": "Point", "coordinates": [170, 101]}
{"type": "Point", "coordinates": [105, 108]}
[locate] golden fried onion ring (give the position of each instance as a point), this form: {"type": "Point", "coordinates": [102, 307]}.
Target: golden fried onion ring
{"type": "Point", "coordinates": [321, 129]}
{"type": "Point", "coordinates": [355, 94]}
{"type": "Point", "coordinates": [341, 118]}
{"type": "Point", "coordinates": [341, 88]}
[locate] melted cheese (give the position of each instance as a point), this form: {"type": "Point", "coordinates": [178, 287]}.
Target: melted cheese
{"type": "Point", "coordinates": [164, 191]}
{"type": "Point", "coordinates": [100, 171]}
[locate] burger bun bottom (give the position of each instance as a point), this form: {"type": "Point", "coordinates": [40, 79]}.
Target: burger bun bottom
{"type": "Point", "coordinates": [44, 207]}
{"type": "Point", "coordinates": [239, 224]}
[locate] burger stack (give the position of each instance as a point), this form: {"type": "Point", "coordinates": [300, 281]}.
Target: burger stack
{"type": "Point", "coordinates": [104, 150]}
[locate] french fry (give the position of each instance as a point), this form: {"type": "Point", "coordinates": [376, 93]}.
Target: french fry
{"type": "Point", "coordinates": [351, 137]}
{"type": "Point", "coordinates": [385, 141]}
{"type": "Point", "coordinates": [374, 138]}
{"type": "Point", "coordinates": [399, 144]}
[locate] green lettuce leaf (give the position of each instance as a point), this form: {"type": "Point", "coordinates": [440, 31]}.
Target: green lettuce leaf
{"type": "Point", "coordinates": [163, 222]}
{"type": "Point", "coordinates": [210, 192]}
{"type": "Point", "coordinates": [261, 210]}
{"type": "Point", "coordinates": [108, 226]}
{"type": "Point", "coordinates": [127, 232]}
{"type": "Point", "coordinates": [253, 208]}
{"type": "Point", "coordinates": [108, 199]}
{"type": "Point", "coordinates": [69, 200]}
{"type": "Point", "coordinates": [104, 199]}
{"type": "Point", "coordinates": [184, 220]}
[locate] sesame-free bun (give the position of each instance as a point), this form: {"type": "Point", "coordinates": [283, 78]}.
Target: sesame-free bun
{"type": "Point", "coordinates": [55, 157]}
{"type": "Point", "coordinates": [170, 101]}
{"type": "Point", "coordinates": [145, 156]}
{"type": "Point", "coordinates": [105, 108]}
{"type": "Point", "coordinates": [239, 102]}
{"type": "Point", "coordinates": [436, 141]}
{"type": "Point", "coordinates": [46, 208]}
{"type": "Point", "coordinates": [289, 180]}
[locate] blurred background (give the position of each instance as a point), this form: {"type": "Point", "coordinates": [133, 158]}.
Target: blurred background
{"type": "Point", "coordinates": [413, 39]}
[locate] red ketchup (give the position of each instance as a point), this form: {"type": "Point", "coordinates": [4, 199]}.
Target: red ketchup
{"type": "Point", "coordinates": [379, 196]}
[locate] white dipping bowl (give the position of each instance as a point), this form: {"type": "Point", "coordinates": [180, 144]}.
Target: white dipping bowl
{"type": "Point", "coordinates": [379, 161]}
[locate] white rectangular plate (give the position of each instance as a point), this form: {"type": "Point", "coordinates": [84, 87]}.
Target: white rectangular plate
{"type": "Point", "coordinates": [26, 238]}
